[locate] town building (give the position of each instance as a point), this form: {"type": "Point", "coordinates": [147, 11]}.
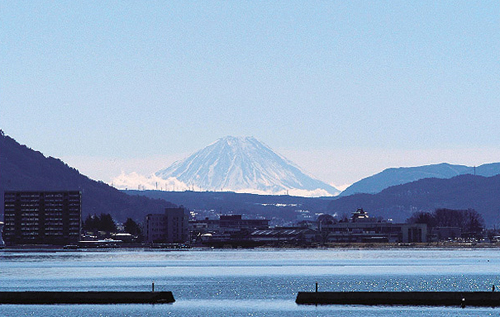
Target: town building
{"type": "Point", "coordinates": [235, 223]}
{"type": "Point", "coordinates": [170, 227]}
{"type": "Point", "coordinates": [228, 228]}
{"type": "Point", "coordinates": [227, 224]}
{"type": "Point", "coordinates": [205, 225]}
{"type": "Point", "coordinates": [362, 228]}
{"type": "Point", "coordinates": [444, 233]}
{"type": "Point", "coordinates": [377, 232]}
{"type": "Point", "coordinates": [291, 235]}
{"type": "Point", "coordinates": [42, 217]}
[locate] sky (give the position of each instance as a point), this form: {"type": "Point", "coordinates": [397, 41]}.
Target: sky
{"type": "Point", "coordinates": [344, 89]}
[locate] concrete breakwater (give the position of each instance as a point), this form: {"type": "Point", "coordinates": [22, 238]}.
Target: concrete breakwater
{"type": "Point", "coordinates": [488, 299]}
{"type": "Point", "coordinates": [86, 297]}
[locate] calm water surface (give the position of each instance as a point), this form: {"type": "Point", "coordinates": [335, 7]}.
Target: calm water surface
{"type": "Point", "coordinates": [248, 282]}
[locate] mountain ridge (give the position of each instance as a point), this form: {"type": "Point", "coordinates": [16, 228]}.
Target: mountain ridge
{"type": "Point", "coordinates": [24, 169]}
{"type": "Point", "coordinates": [402, 175]}
{"type": "Point", "coordinates": [400, 201]}
{"type": "Point", "coordinates": [238, 164]}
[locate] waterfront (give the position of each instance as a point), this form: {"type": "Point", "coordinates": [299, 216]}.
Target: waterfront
{"type": "Point", "coordinates": [248, 282]}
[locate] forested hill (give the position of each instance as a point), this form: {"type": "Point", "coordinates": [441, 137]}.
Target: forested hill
{"type": "Point", "coordinates": [270, 206]}
{"type": "Point", "coordinates": [22, 168]}
{"type": "Point", "coordinates": [399, 202]}
{"type": "Point", "coordinates": [402, 175]}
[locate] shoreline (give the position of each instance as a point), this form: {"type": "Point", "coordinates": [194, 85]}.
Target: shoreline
{"type": "Point", "coordinates": [328, 246]}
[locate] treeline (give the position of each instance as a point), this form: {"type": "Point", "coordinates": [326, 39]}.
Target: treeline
{"type": "Point", "coordinates": [469, 221]}
{"type": "Point", "coordinates": [105, 222]}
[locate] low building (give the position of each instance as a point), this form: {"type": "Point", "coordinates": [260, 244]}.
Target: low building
{"type": "Point", "coordinates": [294, 235]}
{"type": "Point", "coordinates": [362, 228]}
{"type": "Point", "coordinates": [227, 229]}
{"type": "Point", "coordinates": [42, 217]}
{"type": "Point", "coordinates": [444, 233]}
{"type": "Point", "coordinates": [229, 223]}
{"type": "Point", "coordinates": [377, 232]}
{"type": "Point", "coordinates": [170, 227]}
{"type": "Point", "coordinates": [205, 225]}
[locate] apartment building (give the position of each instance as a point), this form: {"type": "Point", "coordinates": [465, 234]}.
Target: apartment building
{"type": "Point", "coordinates": [42, 217]}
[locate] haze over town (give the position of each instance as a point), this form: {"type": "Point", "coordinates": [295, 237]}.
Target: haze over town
{"type": "Point", "coordinates": [342, 89]}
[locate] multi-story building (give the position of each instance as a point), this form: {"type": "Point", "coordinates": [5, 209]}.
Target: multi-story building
{"type": "Point", "coordinates": [155, 228]}
{"type": "Point", "coordinates": [171, 227]}
{"type": "Point", "coordinates": [42, 217]}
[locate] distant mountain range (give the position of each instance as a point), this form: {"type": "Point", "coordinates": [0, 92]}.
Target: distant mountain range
{"type": "Point", "coordinates": [238, 164]}
{"type": "Point", "coordinates": [269, 206]}
{"type": "Point", "coordinates": [396, 202]}
{"type": "Point", "coordinates": [22, 168]}
{"type": "Point", "coordinates": [399, 202]}
{"type": "Point", "coordinates": [402, 175]}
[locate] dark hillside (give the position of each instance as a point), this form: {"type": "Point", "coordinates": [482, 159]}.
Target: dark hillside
{"type": "Point", "coordinates": [22, 168]}
{"type": "Point", "coordinates": [250, 204]}
{"type": "Point", "coordinates": [402, 175]}
{"type": "Point", "coordinates": [399, 202]}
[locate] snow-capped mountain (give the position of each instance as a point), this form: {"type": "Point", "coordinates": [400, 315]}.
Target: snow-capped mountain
{"type": "Point", "coordinates": [240, 164]}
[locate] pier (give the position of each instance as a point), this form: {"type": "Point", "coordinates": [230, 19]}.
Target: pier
{"type": "Point", "coordinates": [485, 299]}
{"type": "Point", "coordinates": [47, 297]}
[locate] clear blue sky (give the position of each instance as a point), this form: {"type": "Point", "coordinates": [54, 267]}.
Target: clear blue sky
{"type": "Point", "coordinates": [342, 88]}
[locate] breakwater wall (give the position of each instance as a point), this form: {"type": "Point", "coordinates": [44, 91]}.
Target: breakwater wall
{"type": "Point", "coordinates": [489, 299]}
{"type": "Point", "coordinates": [86, 297]}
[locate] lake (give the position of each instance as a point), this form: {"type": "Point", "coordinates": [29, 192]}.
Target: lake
{"type": "Point", "coordinates": [248, 282]}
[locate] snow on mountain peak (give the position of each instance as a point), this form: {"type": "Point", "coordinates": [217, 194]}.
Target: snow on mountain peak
{"type": "Point", "coordinates": [243, 164]}
{"type": "Point", "coordinates": [239, 164]}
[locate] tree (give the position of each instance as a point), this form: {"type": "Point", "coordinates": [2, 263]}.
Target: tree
{"type": "Point", "coordinates": [104, 222]}
{"type": "Point", "coordinates": [132, 227]}
{"type": "Point", "coordinates": [449, 218]}
{"type": "Point", "coordinates": [107, 223]}
{"type": "Point", "coordinates": [91, 223]}
{"type": "Point", "coordinates": [423, 217]}
{"type": "Point", "coordinates": [469, 221]}
{"type": "Point", "coordinates": [474, 222]}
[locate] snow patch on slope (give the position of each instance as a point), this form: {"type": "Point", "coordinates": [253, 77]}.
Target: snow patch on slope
{"type": "Point", "coordinates": [232, 164]}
